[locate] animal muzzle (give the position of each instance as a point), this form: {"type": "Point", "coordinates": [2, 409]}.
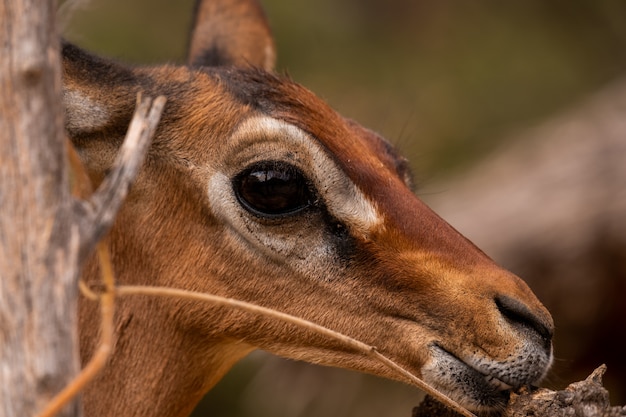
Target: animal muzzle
{"type": "Point", "coordinates": [512, 349]}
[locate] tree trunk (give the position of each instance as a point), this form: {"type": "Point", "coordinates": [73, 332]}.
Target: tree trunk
{"type": "Point", "coordinates": [38, 266]}
{"type": "Point", "coordinates": [45, 233]}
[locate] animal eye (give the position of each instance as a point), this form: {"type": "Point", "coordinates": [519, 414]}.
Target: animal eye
{"type": "Point", "coordinates": [272, 189]}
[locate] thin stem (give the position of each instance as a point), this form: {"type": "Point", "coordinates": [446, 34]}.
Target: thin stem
{"type": "Point", "coordinates": [101, 355]}
{"type": "Point", "coordinates": [87, 292]}
{"type": "Point", "coordinates": [287, 318]}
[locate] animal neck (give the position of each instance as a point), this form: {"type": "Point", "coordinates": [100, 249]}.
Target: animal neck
{"type": "Point", "coordinates": [157, 367]}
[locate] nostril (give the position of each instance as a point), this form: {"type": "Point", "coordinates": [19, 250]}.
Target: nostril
{"type": "Point", "coordinates": [519, 314]}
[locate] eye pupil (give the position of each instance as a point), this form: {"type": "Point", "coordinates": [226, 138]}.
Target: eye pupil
{"type": "Point", "coordinates": [272, 189]}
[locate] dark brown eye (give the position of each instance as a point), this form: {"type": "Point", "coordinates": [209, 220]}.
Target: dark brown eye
{"type": "Point", "coordinates": [272, 189]}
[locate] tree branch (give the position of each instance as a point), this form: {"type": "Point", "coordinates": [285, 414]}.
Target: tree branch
{"type": "Point", "coordinates": [96, 215]}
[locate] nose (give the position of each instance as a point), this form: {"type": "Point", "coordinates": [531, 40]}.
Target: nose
{"type": "Point", "coordinates": [520, 316]}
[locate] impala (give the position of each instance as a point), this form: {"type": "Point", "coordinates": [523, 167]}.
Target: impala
{"type": "Point", "coordinates": [255, 189]}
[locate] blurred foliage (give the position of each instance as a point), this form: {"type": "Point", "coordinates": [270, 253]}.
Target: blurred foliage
{"type": "Point", "coordinates": [266, 386]}
{"type": "Point", "coordinates": [445, 80]}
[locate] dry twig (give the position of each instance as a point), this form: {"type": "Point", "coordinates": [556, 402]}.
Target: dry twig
{"type": "Point", "coordinates": [287, 318]}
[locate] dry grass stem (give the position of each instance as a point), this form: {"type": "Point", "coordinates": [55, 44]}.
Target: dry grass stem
{"type": "Point", "coordinates": [287, 318]}
{"type": "Point", "coordinates": [86, 291]}
{"type": "Point", "coordinates": [100, 357]}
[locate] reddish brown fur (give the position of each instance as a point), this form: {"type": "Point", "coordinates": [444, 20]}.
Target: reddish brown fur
{"type": "Point", "coordinates": [408, 285]}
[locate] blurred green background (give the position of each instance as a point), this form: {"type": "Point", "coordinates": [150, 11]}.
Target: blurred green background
{"type": "Point", "coordinates": [444, 80]}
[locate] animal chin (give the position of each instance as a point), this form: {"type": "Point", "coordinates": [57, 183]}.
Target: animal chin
{"type": "Point", "coordinates": [463, 383]}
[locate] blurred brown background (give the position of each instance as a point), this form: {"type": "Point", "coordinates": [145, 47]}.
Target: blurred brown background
{"type": "Point", "coordinates": [514, 117]}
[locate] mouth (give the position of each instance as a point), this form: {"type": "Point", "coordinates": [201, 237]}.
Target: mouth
{"type": "Point", "coordinates": [470, 387]}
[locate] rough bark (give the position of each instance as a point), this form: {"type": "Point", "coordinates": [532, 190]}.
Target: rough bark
{"type": "Point", "coordinates": [37, 264]}
{"type": "Point", "coordinates": [586, 398]}
{"type": "Point", "coordinates": [45, 233]}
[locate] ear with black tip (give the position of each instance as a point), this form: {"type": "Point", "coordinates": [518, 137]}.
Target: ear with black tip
{"type": "Point", "coordinates": [231, 32]}
{"type": "Point", "coordinates": [98, 95]}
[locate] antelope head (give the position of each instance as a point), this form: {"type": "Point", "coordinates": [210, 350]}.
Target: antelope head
{"type": "Point", "coordinates": [255, 189]}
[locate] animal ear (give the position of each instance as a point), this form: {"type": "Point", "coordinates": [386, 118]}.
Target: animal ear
{"type": "Point", "coordinates": [231, 32]}
{"type": "Point", "coordinates": [98, 95]}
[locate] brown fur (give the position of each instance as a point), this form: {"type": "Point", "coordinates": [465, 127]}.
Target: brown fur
{"type": "Point", "coordinates": [409, 284]}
